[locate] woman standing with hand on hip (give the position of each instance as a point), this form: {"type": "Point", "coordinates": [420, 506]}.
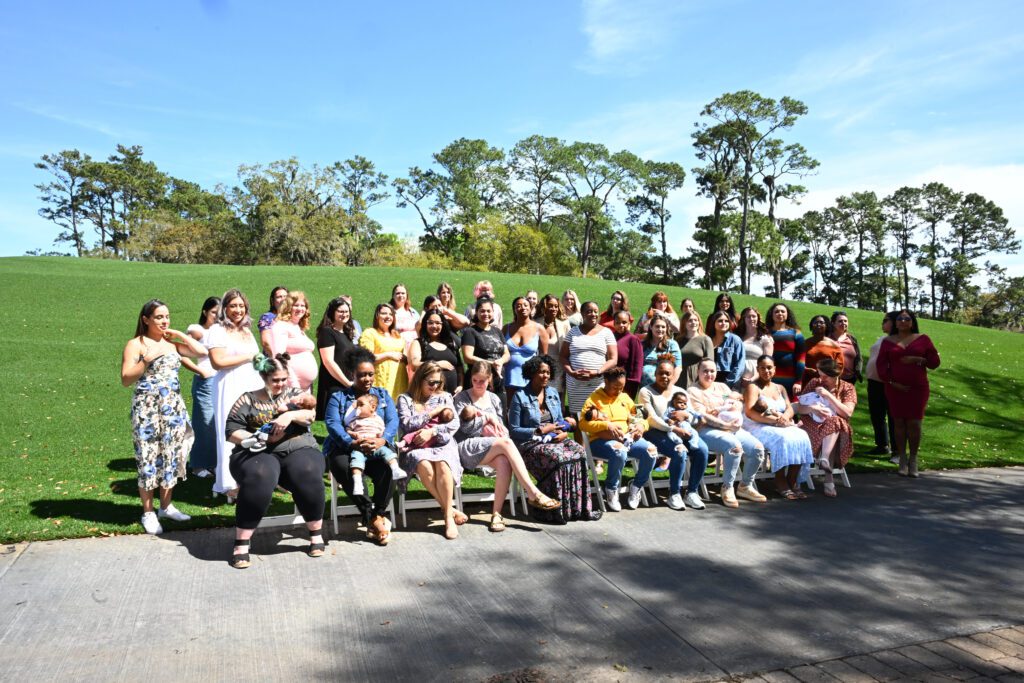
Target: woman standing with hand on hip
{"type": "Point", "coordinates": [160, 427]}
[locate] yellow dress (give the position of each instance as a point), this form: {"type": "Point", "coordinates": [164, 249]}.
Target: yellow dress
{"type": "Point", "coordinates": [391, 375]}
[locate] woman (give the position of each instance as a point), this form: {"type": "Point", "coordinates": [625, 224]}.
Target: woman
{"type": "Point", "coordinates": [768, 416]}
{"type": "Point", "coordinates": [388, 349]}
{"type": "Point", "coordinates": [589, 350]}
{"type": "Point", "coordinates": [851, 349]}
{"type": "Point", "coordinates": [878, 407]}
{"type": "Point", "coordinates": [483, 440]}
{"type": "Point", "coordinates": [406, 316]}
{"type": "Point", "coordinates": [723, 302]}
{"type": "Point", "coordinates": [277, 297]}
{"type": "Point", "coordinates": [729, 354]}
{"type": "Point", "coordinates": [556, 327]}
{"type": "Point", "coordinates": [819, 346]}
{"type": "Point", "coordinates": [571, 307]}
{"type": "Point", "coordinates": [828, 422]}
{"type": "Point", "coordinates": [485, 290]}
{"type": "Point", "coordinates": [335, 340]}
{"type": "Point", "coordinates": [160, 427]}
{"type": "Point", "coordinates": [288, 335]}
{"type": "Point", "coordinates": [232, 349]}
{"type": "Point", "coordinates": [630, 352]}
{"type": "Point", "coordinates": [203, 458]}
{"type": "Point", "coordinates": [616, 433]}
{"type": "Point", "coordinates": [687, 306]}
{"type": "Point", "coordinates": [659, 307]}
{"type": "Point", "coordinates": [655, 399]}
{"type": "Point", "coordinates": [290, 458]}
{"type": "Point", "coordinates": [788, 348]}
{"type": "Point", "coordinates": [524, 339]}
{"type": "Point", "coordinates": [339, 445]}
{"type": "Point", "coordinates": [446, 296]}
{"type": "Point", "coordinates": [543, 436]}
{"type": "Point", "coordinates": [483, 342]}
{"type": "Point", "coordinates": [903, 363]}
{"type": "Point", "coordinates": [757, 342]}
{"type": "Point", "coordinates": [533, 298]}
{"type": "Point", "coordinates": [433, 454]}
{"type": "Point", "coordinates": [436, 344]}
{"type": "Point", "coordinates": [659, 347]}
{"type": "Point", "coordinates": [726, 436]}
{"type": "Point", "coordinates": [694, 346]}
{"type": "Point", "coordinates": [618, 302]}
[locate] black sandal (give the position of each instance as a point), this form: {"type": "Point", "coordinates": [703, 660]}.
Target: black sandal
{"type": "Point", "coordinates": [240, 560]}
{"type": "Point", "coordinates": [316, 549]}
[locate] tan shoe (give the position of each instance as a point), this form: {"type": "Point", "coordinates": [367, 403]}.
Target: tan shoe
{"type": "Point", "coordinates": [729, 498]}
{"type": "Point", "coordinates": [750, 493]}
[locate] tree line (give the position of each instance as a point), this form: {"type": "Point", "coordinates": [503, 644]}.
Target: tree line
{"type": "Point", "coordinates": [548, 206]}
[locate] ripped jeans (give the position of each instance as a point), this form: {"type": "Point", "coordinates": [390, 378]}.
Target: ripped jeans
{"type": "Point", "coordinates": [732, 445]}
{"type": "Point", "coordinates": [616, 454]}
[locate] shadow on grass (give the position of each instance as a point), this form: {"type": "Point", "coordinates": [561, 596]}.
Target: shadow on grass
{"type": "Point", "coordinates": [993, 403]}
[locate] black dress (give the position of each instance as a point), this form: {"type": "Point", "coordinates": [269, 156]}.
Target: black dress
{"type": "Point", "coordinates": [326, 385]}
{"type": "Point", "coordinates": [488, 345]}
{"type": "Point", "coordinates": [451, 377]}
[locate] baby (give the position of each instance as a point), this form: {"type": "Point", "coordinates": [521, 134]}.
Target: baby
{"type": "Point", "coordinates": [258, 441]}
{"type": "Point", "coordinates": [731, 412]}
{"type": "Point", "coordinates": [812, 399]}
{"type": "Point", "coordinates": [444, 416]}
{"type": "Point", "coordinates": [562, 425]}
{"type": "Point", "coordinates": [761, 406]}
{"type": "Point", "coordinates": [626, 440]}
{"type": "Point", "coordinates": [363, 422]}
{"type": "Point", "coordinates": [690, 418]}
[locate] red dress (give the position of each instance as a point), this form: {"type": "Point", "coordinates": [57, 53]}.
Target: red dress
{"type": "Point", "coordinates": [907, 405]}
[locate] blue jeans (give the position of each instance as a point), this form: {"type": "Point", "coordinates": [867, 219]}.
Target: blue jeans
{"type": "Point", "coordinates": [603, 449]}
{"type": "Point", "coordinates": [732, 445]}
{"type": "Point", "coordinates": [357, 460]}
{"type": "Point", "coordinates": [696, 451]}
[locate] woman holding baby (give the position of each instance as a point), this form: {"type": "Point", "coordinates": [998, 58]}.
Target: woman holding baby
{"type": "Point", "coordinates": [483, 440]}
{"type": "Point", "coordinates": [427, 418]}
{"type": "Point", "coordinates": [826, 419]}
{"type": "Point", "coordinates": [768, 415]}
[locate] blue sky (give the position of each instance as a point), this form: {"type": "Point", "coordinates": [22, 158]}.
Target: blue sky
{"type": "Point", "coordinates": [899, 93]}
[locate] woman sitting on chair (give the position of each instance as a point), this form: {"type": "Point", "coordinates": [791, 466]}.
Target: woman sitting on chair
{"type": "Point", "coordinates": [827, 419]}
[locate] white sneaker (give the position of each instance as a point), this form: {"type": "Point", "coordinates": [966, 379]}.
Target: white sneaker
{"type": "Point", "coordinates": [694, 501]}
{"type": "Point", "coordinates": [151, 524]}
{"type": "Point", "coordinates": [611, 500]}
{"type": "Point", "coordinates": [633, 497]}
{"type": "Point", "coordinates": [173, 513]}
{"type": "Point", "coordinates": [895, 460]}
{"type": "Point", "coordinates": [675, 501]}
{"type": "Point", "coordinates": [397, 472]}
{"type": "Point", "coordinates": [204, 473]}
{"type": "Point", "coordinates": [357, 486]}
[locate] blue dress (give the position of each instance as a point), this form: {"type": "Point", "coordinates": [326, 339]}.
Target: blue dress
{"type": "Point", "coordinates": [518, 355]}
{"type": "Point", "coordinates": [787, 445]}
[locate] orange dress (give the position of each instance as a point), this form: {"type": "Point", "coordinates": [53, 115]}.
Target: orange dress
{"type": "Point", "coordinates": [816, 351]}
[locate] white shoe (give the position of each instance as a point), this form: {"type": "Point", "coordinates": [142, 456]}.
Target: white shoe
{"type": "Point", "coordinates": [633, 497]}
{"type": "Point", "coordinates": [694, 501]}
{"type": "Point", "coordinates": [611, 500]}
{"type": "Point", "coordinates": [675, 501]}
{"type": "Point", "coordinates": [357, 486]}
{"type": "Point", "coordinates": [895, 459]}
{"type": "Point", "coordinates": [174, 513]}
{"type": "Point", "coordinates": [151, 524]}
{"type": "Point", "coordinates": [204, 473]}
{"type": "Point", "coordinates": [397, 472]}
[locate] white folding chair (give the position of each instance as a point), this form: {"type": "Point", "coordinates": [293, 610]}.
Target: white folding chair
{"type": "Point", "coordinates": [344, 510]}
{"type": "Point", "coordinates": [596, 488]}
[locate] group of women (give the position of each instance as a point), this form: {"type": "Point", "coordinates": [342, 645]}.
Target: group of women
{"type": "Point", "coordinates": [464, 391]}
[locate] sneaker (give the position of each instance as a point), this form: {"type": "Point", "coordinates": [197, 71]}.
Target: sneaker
{"type": "Point", "coordinates": [487, 471]}
{"type": "Point", "coordinates": [357, 486]}
{"type": "Point", "coordinates": [611, 500]}
{"type": "Point", "coordinates": [749, 493]}
{"type": "Point", "coordinates": [151, 524]}
{"type": "Point", "coordinates": [729, 497]}
{"type": "Point", "coordinates": [204, 474]}
{"type": "Point", "coordinates": [174, 513]}
{"type": "Point", "coordinates": [397, 472]}
{"type": "Point", "coordinates": [895, 460]}
{"type": "Point", "coordinates": [633, 497]}
{"type": "Point", "coordinates": [879, 450]}
{"type": "Point", "coordinates": [675, 501]}
{"type": "Point", "coordinates": [693, 500]}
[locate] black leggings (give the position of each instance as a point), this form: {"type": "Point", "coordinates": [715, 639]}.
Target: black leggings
{"type": "Point", "coordinates": [301, 472]}
{"type": "Point", "coordinates": [379, 473]}
{"type": "Point", "coordinates": [878, 407]}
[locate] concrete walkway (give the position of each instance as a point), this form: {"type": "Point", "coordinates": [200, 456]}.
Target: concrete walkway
{"type": "Point", "coordinates": [809, 588]}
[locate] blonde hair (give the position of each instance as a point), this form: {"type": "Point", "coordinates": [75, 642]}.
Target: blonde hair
{"type": "Point", "coordinates": [422, 373]}
{"type": "Point", "coordinates": [286, 309]}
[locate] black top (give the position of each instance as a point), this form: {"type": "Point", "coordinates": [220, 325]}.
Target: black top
{"type": "Point", "coordinates": [489, 345]}
{"type": "Point", "coordinates": [250, 413]}
{"type": "Point", "coordinates": [327, 337]}
{"type": "Point", "coordinates": [451, 377]}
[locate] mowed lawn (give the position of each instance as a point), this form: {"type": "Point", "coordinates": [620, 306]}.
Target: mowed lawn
{"type": "Point", "coordinates": [67, 464]}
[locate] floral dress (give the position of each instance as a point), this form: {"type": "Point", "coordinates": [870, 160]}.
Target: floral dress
{"type": "Point", "coordinates": [160, 426]}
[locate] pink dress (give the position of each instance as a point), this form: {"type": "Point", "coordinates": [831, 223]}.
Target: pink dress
{"type": "Point", "coordinates": [405, 323]}
{"type": "Point", "coordinates": [286, 337]}
{"type": "Point", "coordinates": [909, 404]}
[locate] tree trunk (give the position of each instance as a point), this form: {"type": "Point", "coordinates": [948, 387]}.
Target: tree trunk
{"type": "Point", "coordinates": [744, 284]}
{"type": "Point", "coordinates": [664, 245]}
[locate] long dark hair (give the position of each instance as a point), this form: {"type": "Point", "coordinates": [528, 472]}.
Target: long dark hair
{"type": "Point", "coordinates": [208, 305]}
{"type": "Point", "coordinates": [663, 346]}
{"type": "Point", "coordinates": [445, 337]}
{"type": "Point", "coordinates": [273, 293]}
{"type": "Point", "coordinates": [146, 312]}
{"type": "Point", "coordinates": [349, 329]}
{"type": "Point", "coordinates": [790, 318]}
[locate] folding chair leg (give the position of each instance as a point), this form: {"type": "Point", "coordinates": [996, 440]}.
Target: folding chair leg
{"type": "Point", "coordinates": [334, 503]}
{"type": "Point", "coordinates": [596, 483]}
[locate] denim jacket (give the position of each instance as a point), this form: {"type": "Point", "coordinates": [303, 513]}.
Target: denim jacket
{"type": "Point", "coordinates": [524, 413]}
{"type": "Point", "coordinates": [730, 357]}
{"type": "Point", "coordinates": [338, 404]}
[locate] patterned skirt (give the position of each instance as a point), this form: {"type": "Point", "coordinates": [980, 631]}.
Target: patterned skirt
{"type": "Point", "coordinates": [561, 473]}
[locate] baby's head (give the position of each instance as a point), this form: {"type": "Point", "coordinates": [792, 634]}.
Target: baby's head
{"type": "Point", "coordinates": [594, 414]}
{"type": "Point", "coordinates": [304, 402]}
{"type": "Point", "coordinates": [761, 406]}
{"type": "Point", "coordinates": [679, 400]}
{"type": "Point", "coordinates": [366, 405]}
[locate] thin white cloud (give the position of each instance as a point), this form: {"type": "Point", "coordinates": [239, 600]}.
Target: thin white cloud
{"type": "Point", "coordinates": [624, 36]}
{"type": "Point", "coordinates": [96, 126]}
{"type": "Point", "coordinates": [655, 129]}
